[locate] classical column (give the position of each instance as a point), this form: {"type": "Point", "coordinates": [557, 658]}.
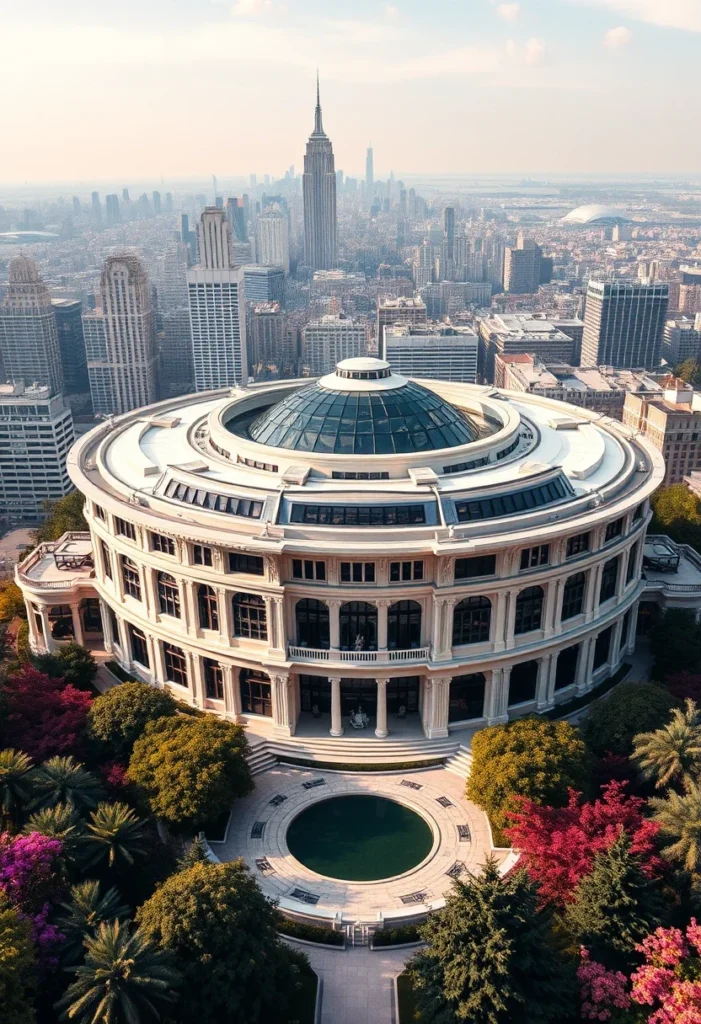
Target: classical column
{"type": "Point", "coordinates": [232, 692]}
{"type": "Point", "coordinates": [594, 588]}
{"type": "Point", "coordinates": [150, 591]}
{"type": "Point", "coordinates": [226, 616]}
{"type": "Point", "coordinates": [123, 640]}
{"type": "Point", "coordinates": [49, 642]}
{"type": "Point", "coordinates": [632, 628]}
{"type": "Point", "coordinates": [334, 624]}
{"type": "Point", "coordinates": [107, 638]}
{"type": "Point", "coordinates": [77, 624]}
{"type": "Point", "coordinates": [615, 652]}
{"type": "Point", "coordinates": [497, 696]}
{"type": "Point", "coordinates": [511, 598]}
{"type": "Point", "coordinates": [553, 604]}
{"type": "Point", "coordinates": [281, 704]}
{"type": "Point", "coordinates": [336, 718]}
{"type": "Point", "coordinates": [187, 606]}
{"type": "Point", "coordinates": [621, 577]}
{"type": "Point", "coordinates": [443, 627]}
{"type": "Point", "coordinates": [542, 693]}
{"type": "Point", "coordinates": [199, 690]}
{"type": "Point", "coordinates": [273, 613]}
{"type": "Point", "coordinates": [426, 705]}
{"type": "Point", "coordinates": [382, 605]}
{"type": "Point", "coordinates": [381, 718]}
{"type": "Point", "coordinates": [500, 606]}
{"type": "Point", "coordinates": [440, 703]}
{"type": "Point", "coordinates": [158, 665]}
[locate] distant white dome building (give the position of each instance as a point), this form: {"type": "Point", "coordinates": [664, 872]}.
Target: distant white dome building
{"type": "Point", "coordinates": [595, 214]}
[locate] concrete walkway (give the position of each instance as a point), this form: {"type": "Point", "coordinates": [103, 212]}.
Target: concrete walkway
{"type": "Point", "coordinates": [357, 984]}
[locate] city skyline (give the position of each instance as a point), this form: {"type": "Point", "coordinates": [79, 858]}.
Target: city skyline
{"type": "Point", "coordinates": [164, 75]}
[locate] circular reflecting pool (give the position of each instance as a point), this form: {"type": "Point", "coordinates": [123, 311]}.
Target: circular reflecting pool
{"type": "Point", "coordinates": [359, 838]}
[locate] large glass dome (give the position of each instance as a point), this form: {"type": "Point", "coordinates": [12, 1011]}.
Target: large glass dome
{"type": "Point", "coordinates": [363, 409]}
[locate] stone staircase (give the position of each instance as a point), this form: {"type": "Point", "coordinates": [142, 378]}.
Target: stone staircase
{"type": "Point", "coordinates": [259, 757]}
{"type": "Point", "coordinates": [460, 763]}
{"type": "Point", "coordinates": [347, 750]}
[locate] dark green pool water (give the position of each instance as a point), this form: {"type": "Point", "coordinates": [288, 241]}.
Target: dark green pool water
{"type": "Point", "coordinates": [359, 838]}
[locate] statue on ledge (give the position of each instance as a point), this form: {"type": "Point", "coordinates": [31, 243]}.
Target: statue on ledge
{"type": "Point", "coordinates": [358, 719]}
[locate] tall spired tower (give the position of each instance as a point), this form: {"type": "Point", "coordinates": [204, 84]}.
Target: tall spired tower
{"type": "Point", "coordinates": [319, 187]}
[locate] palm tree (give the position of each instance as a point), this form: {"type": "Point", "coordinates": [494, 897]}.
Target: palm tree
{"type": "Point", "coordinates": [679, 818]}
{"type": "Point", "coordinates": [15, 780]}
{"type": "Point", "coordinates": [673, 753]}
{"type": "Point", "coordinates": [115, 833]}
{"type": "Point", "coordinates": [63, 780]}
{"type": "Point", "coordinates": [82, 915]}
{"type": "Point", "coordinates": [124, 980]}
{"type": "Point", "coordinates": [60, 822]}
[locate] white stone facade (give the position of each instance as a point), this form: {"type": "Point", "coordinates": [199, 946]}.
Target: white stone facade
{"type": "Point", "coordinates": [260, 615]}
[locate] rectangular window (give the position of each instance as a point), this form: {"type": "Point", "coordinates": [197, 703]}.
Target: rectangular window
{"type": "Point", "coordinates": [357, 572]}
{"type": "Point", "coordinates": [124, 529]}
{"type": "Point", "coordinates": [201, 555]}
{"type": "Point", "coordinates": [405, 572]}
{"type": "Point", "coordinates": [251, 564]}
{"type": "Point", "coordinates": [114, 625]}
{"type": "Point", "coordinates": [175, 664]}
{"type": "Point", "coordinates": [307, 569]}
{"type": "Point", "coordinates": [573, 596]}
{"type": "Point", "coordinates": [106, 559]}
{"type": "Point", "coordinates": [131, 578]}
{"type": "Point", "coordinates": [602, 648]}
{"type": "Point", "coordinates": [168, 595]}
{"type": "Point", "coordinates": [533, 557]}
{"type": "Point", "coordinates": [614, 529]}
{"type": "Point", "coordinates": [99, 512]}
{"type": "Point", "coordinates": [470, 568]}
{"type": "Point", "coordinates": [163, 544]}
{"type": "Point", "coordinates": [139, 647]}
{"type": "Point", "coordinates": [577, 545]}
{"type": "Point", "coordinates": [359, 515]}
{"type": "Point", "coordinates": [609, 579]}
{"type": "Point", "coordinates": [213, 679]}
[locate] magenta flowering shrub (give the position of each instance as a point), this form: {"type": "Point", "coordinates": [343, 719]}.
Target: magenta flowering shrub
{"type": "Point", "coordinates": [603, 991]}
{"type": "Point", "coordinates": [30, 877]}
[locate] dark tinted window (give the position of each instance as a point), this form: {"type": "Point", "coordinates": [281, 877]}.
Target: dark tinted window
{"type": "Point", "coordinates": [512, 504]}
{"type": "Point", "coordinates": [469, 568]}
{"type": "Point", "coordinates": [252, 564]}
{"type": "Point", "coordinates": [359, 515]}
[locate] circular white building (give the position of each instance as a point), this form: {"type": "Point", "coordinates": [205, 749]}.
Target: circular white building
{"type": "Point", "coordinates": [594, 214]}
{"type": "Point", "coordinates": [363, 554]}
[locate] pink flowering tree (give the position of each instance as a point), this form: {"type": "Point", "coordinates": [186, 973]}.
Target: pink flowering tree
{"type": "Point", "coordinates": [30, 876]}
{"type": "Point", "coordinates": [604, 993]}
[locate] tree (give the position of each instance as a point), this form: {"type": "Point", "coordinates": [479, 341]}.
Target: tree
{"type": "Point", "coordinates": [15, 781]}
{"type": "Point", "coordinates": [62, 516]}
{"type": "Point", "coordinates": [24, 651]}
{"type": "Point", "coordinates": [63, 780]}
{"type": "Point", "coordinates": [678, 817]}
{"type": "Point", "coordinates": [531, 757]}
{"type": "Point", "coordinates": [670, 979]}
{"type": "Point", "coordinates": [118, 717]}
{"type": "Point", "coordinates": [11, 602]}
{"type": "Point", "coordinates": [190, 769]}
{"type": "Point", "coordinates": [558, 844]}
{"type": "Point", "coordinates": [631, 708]}
{"type": "Point", "coordinates": [614, 906]}
{"type": "Point", "coordinates": [684, 686]}
{"type": "Point", "coordinates": [222, 930]}
{"type": "Point", "coordinates": [31, 878]}
{"type": "Point", "coordinates": [675, 641]}
{"type": "Point", "coordinates": [677, 512]}
{"type": "Point", "coordinates": [671, 754]}
{"type": "Point", "coordinates": [116, 835]}
{"type": "Point", "coordinates": [196, 853]}
{"type": "Point", "coordinates": [124, 980]}
{"type": "Point", "coordinates": [490, 956]}
{"type": "Point", "coordinates": [83, 913]}
{"type": "Point", "coordinates": [689, 371]}
{"type": "Point", "coordinates": [62, 822]}
{"type": "Point", "coordinates": [17, 966]}
{"type": "Point", "coordinates": [43, 716]}
{"type": "Point", "coordinates": [72, 662]}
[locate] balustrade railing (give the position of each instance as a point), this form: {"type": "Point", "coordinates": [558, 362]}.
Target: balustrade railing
{"type": "Point", "coordinates": [295, 652]}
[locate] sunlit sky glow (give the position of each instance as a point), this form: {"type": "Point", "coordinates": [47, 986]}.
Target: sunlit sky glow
{"type": "Point", "coordinates": [144, 88]}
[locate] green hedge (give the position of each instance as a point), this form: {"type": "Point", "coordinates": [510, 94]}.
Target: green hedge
{"type": "Point", "coordinates": [562, 710]}
{"type": "Point", "coordinates": [396, 936]}
{"type": "Point", "coordinates": [399, 766]}
{"type": "Point", "coordinates": [408, 1013]}
{"type": "Point", "coordinates": [310, 932]}
{"type": "Point", "coordinates": [117, 670]}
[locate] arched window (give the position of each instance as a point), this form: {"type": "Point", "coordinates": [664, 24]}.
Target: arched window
{"type": "Point", "coordinates": [61, 621]}
{"type": "Point", "coordinates": [523, 681]}
{"type": "Point", "coordinates": [404, 625]}
{"type": "Point", "coordinates": [249, 617]}
{"type": "Point", "coordinates": [466, 697]}
{"type": "Point", "coordinates": [358, 626]}
{"type": "Point", "coordinates": [207, 606]}
{"type": "Point", "coordinates": [256, 698]}
{"type": "Point", "coordinates": [312, 618]}
{"type": "Point", "coordinates": [168, 595]}
{"type": "Point", "coordinates": [573, 595]}
{"type": "Point", "coordinates": [471, 621]}
{"type": "Point", "coordinates": [529, 610]}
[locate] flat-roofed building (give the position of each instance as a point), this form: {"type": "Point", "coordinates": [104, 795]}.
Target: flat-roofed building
{"type": "Point", "coordinates": [672, 422]}
{"type": "Point", "coordinates": [624, 324]}
{"type": "Point", "coordinates": [522, 333]}
{"type": "Point", "coordinates": [437, 351]}
{"type": "Point", "coordinates": [682, 339]}
{"type": "Point", "coordinates": [330, 339]}
{"type": "Point", "coordinates": [401, 310]}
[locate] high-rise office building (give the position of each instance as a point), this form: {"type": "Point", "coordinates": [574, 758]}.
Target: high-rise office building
{"type": "Point", "coordinates": [330, 339]}
{"type": "Point", "coordinates": [401, 310]}
{"type": "Point", "coordinates": [112, 208]}
{"type": "Point", "coordinates": [438, 353]}
{"type": "Point", "coordinates": [69, 325]}
{"type": "Point", "coordinates": [449, 229]}
{"type": "Point", "coordinates": [624, 324]}
{"type": "Point", "coordinates": [33, 465]}
{"type": "Point", "coordinates": [156, 199]}
{"type": "Point", "coordinates": [274, 239]}
{"type": "Point", "coordinates": [217, 308]}
{"type": "Point", "coordinates": [96, 210]}
{"type": "Point", "coordinates": [120, 339]}
{"type": "Point", "coordinates": [369, 177]}
{"type": "Point", "coordinates": [672, 422]}
{"type": "Point", "coordinates": [319, 190]}
{"type": "Point", "coordinates": [29, 348]}
{"type": "Point", "coordinates": [264, 284]}
{"type": "Point", "coordinates": [236, 216]}
{"type": "Point", "coordinates": [682, 339]}
{"type": "Point", "coordinates": [523, 267]}
{"type": "Point", "coordinates": [268, 339]}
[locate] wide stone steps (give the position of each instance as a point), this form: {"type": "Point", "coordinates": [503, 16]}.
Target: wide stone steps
{"type": "Point", "coordinates": [260, 759]}
{"type": "Point", "coordinates": [460, 763]}
{"type": "Point", "coordinates": [362, 751]}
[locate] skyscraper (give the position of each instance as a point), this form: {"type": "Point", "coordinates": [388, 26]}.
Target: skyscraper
{"type": "Point", "coordinates": [624, 324]}
{"type": "Point", "coordinates": [319, 189]}
{"type": "Point", "coordinates": [523, 266]}
{"type": "Point", "coordinates": [236, 215]}
{"type": "Point", "coordinates": [29, 348]}
{"type": "Point", "coordinates": [274, 239]}
{"type": "Point", "coordinates": [217, 308]}
{"type": "Point", "coordinates": [369, 177]}
{"type": "Point", "coordinates": [120, 339]}
{"type": "Point", "coordinates": [69, 325]}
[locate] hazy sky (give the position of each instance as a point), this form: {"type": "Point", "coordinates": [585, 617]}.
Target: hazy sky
{"type": "Point", "coordinates": [132, 89]}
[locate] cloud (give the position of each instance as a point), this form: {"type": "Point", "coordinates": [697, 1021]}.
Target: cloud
{"type": "Point", "coordinates": [681, 14]}
{"type": "Point", "coordinates": [391, 11]}
{"type": "Point", "coordinates": [509, 12]}
{"type": "Point", "coordinates": [617, 38]}
{"type": "Point", "coordinates": [251, 8]}
{"type": "Point", "coordinates": [536, 53]}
